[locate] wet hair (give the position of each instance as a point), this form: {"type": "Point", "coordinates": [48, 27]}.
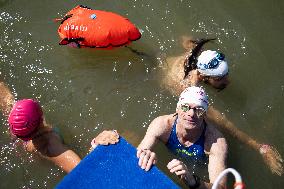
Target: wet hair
{"type": "Point", "coordinates": [191, 61]}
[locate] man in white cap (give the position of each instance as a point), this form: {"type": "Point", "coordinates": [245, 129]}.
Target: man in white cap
{"type": "Point", "coordinates": [188, 135]}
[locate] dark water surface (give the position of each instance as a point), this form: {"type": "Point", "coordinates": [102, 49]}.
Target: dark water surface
{"type": "Point", "coordinates": [84, 91]}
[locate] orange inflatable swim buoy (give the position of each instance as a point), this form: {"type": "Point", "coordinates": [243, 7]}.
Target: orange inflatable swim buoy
{"type": "Point", "coordinates": [86, 27]}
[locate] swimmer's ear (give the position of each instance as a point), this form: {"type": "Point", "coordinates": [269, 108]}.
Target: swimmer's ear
{"type": "Point", "coordinates": [61, 20]}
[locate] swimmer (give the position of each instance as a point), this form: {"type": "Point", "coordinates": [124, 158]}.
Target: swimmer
{"type": "Point", "coordinates": [192, 68]}
{"type": "Point", "coordinates": [210, 67]}
{"type": "Point", "coordinates": [187, 134]}
{"type": "Point", "coordinates": [27, 123]}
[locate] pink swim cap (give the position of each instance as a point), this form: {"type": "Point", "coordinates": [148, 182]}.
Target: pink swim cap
{"type": "Point", "coordinates": [25, 118]}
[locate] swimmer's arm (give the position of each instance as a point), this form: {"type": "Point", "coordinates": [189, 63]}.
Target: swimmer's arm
{"type": "Point", "coordinates": [144, 150]}
{"type": "Point", "coordinates": [67, 161]}
{"type": "Point", "coordinates": [217, 146]}
{"type": "Point", "coordinates": [269, 154]}
{"type": "Point", "coordinates": [155, 132]}
{"type": "Point", "coordinates": [217, 158]}
{"type": "Point", "coordinates": [6, 99]}
{"type": "Point", "coordinates": [221, 121]}
{"type": "Point", "coordinates": [61, 155]}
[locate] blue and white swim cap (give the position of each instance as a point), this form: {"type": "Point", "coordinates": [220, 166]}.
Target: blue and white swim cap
{"type": "Point", "coordinates": [212, 63]}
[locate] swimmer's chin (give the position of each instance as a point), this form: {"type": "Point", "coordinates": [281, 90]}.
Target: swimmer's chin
{"type": "Point", "coordinates": [190, 123]}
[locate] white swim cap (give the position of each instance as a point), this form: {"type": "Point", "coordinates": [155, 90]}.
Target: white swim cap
{"type": "Point", "coordinates": [212, 63]}
{"type": "Point", "coordinates": [194, 95]}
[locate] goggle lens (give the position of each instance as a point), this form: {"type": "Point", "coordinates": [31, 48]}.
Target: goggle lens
{"type": "Point", "coordinates": [199, 111]}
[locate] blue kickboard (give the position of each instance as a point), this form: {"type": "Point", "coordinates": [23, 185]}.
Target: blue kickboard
{"type": "Point", "coordinates": [114, 166]}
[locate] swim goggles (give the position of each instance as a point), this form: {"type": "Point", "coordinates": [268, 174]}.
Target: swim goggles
{"type": "Point", "coordinates": [213, 63]}
{"type": "Point", "coordinates": [199, 111]}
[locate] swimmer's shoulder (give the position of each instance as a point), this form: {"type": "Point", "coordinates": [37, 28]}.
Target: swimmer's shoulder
{"type": "Point", "coordinates": [164, 120]}
{"type": "Point", "coordinates": [213, 136]}
{"type": "Point", "coordinates": [212, 131]}
{"type": "Point", "coordinates": [162, 126]}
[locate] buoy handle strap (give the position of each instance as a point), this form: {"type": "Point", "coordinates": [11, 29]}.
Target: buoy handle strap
{"type": "Point", "coordinates": [66, 41]}
{"type": "Point", "coordinates": [83, 6]}
{"type": "Point", "coordinates": [61, 20]}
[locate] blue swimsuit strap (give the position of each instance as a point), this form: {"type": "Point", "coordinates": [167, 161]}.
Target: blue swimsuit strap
{"type": "Point", "coordinates": [57, 131]}
{"type": "Point", "coordinates": [173, 136]}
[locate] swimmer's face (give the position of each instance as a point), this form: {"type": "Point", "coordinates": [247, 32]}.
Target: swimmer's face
{"type": "Point", "coordinates": [218, 82]}
{"type": "Point", "coordinates": [190, 115]}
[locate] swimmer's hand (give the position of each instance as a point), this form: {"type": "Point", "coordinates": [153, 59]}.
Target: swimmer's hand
{"type": "Point", "coordinates": [146, 158]}
{"type": "Point", "coordinates": [272, 158]}
{"type": "Point", "coordinates": [105, 138]}
{"type": "Point", "coordinates": [181, 170]}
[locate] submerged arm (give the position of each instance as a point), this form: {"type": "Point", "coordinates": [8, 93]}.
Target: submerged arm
{"type": "Point", "coordinates": [61, 155]}
{"type": "Point", "coordinates": [270, 155]}
{"type": "Point", "coordinates": [67, 160]}
{"type": "Point", "coordinates": [221, 121]}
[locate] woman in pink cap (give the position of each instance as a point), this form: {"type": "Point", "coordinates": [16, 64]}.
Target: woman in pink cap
{"type": "Point", "coordinates": [26, 122]}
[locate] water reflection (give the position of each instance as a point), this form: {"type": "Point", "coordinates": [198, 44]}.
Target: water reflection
{"type": "Point", "coordinates": [23, 65]}
{"type": "Point", "coordinates": [4, 2]}
{"type": "Point", "coordinates": [86, 91]}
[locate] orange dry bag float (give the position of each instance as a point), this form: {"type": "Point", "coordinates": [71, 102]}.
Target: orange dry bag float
{"type": "Point", "coordinates": [85, 27]}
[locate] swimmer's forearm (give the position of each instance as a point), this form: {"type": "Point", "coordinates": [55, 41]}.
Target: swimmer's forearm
{"type": "Point", "coordinates": [67, 161]}
{"type": "Point", "coordinates": [6, 99]}
{"type": "Point", "coordinates": [144, 145]}
{"type": "Point", "coordinates": [242, 136]}
{"type": "Point", "coordinates": [219, 120]}
{"type": "Point", "coordinates": [147, 143]}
